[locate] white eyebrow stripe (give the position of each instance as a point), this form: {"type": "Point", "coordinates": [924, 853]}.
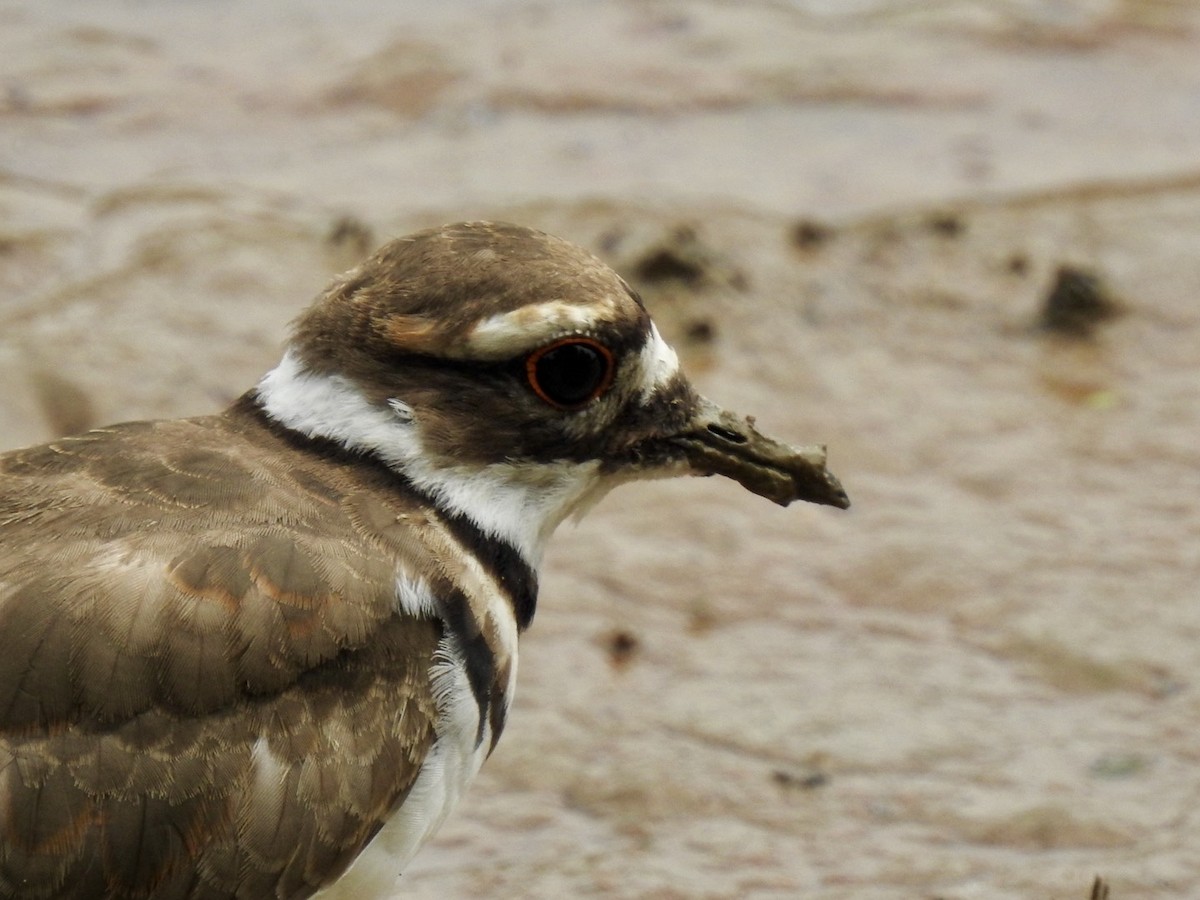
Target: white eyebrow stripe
{"type": "Point", "coordinates": [506, 334]}
{"type": "Point", "coordinates": [659, 362]}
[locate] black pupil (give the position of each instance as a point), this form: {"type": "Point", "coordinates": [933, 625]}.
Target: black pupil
{"type": "Point", "coordinates": [570, 375]}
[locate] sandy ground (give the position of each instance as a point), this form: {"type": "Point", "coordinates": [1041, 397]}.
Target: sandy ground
{"type": "Point", "coordinates": [982, 681]}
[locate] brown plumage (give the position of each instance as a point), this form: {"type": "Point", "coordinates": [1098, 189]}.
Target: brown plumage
{"type": "Point", "coordinates": [146, 650]}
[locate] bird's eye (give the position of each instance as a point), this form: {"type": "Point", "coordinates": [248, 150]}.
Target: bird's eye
{"type": "Point", "coordinates": [571, 373]}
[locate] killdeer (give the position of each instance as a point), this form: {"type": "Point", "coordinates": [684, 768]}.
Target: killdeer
{"type": "Point", "coordinates": [262, 653]}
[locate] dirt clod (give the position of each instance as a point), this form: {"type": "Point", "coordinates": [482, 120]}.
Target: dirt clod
{"type": "Point", "coordinates": [947, 225]}
{"type": "Point", "coordinates": [621, 646]}
{"type": "Point", "coordinates": [1077, 302]}
{"type": "Point", "coordinates": [809, 235]}
{"type": "Point", "coordinates": [807, 781]}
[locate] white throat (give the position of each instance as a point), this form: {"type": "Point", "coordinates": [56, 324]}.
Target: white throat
{"type": "Point", "coordinates": [519, 503]}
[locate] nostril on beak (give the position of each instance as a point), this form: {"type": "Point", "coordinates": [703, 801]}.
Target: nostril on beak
{"type": "Point", "coordinates": [727, 435]}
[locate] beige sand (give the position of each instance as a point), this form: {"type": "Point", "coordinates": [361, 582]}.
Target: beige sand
{"type": "Point", "coordinates": [982, 681]}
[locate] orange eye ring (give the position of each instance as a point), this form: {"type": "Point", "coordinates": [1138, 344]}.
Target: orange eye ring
{"type": "Point", "coordinates": [570, 373]}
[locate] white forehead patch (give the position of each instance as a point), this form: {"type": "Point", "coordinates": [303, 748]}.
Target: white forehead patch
{"type": "Point", "coordinates": [508, 334]}
{"type": "Point", "coordinates": [659, 362]}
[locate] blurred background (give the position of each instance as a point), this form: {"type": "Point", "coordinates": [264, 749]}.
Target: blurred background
{"type": "Point", "coordinates": [959, 242]}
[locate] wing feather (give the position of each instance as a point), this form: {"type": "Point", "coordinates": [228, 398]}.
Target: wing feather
{"type": "Point", "coordinates": [206, 687]}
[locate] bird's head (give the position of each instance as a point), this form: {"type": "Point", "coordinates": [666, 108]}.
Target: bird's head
{"type": "Point", "coordinates": [514, 378]}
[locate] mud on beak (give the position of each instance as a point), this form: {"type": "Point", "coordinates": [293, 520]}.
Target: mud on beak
{"type": "Point", "coordinates": [718, 442]}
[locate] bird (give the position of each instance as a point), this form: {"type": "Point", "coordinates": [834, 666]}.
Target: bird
{"type": "Point", "coordinates": [262, 653]}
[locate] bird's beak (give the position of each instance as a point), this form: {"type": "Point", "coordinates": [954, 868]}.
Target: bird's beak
{"type": "Point", "coordinates": [718, 442]}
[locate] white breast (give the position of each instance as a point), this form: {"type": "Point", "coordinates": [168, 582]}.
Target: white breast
{"type": "Point", "coordinates": [450, 766]}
